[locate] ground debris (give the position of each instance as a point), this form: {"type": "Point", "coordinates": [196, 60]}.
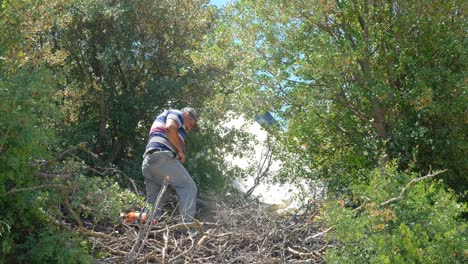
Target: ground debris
{"type": "Point", "coordinates": [242, 233]}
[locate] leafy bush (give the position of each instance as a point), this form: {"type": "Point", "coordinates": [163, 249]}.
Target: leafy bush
{"type": "Point", "coordinates": [102, 199]}
{"type": "Point", "coordinates": [31, 207]}
{"type": "Point", "coordinates": [54, 246]}
{"type": "Point", "coordinates": [425, 226]}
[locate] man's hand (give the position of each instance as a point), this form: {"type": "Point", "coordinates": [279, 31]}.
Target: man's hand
{"type": "Point", "coordinates": [181, 157]}
{"type": "Point", "coordinates": [172, 133]}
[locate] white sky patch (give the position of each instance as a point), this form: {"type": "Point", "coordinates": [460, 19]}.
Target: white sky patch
{"type": "Point", "coordinates": [266, 192]}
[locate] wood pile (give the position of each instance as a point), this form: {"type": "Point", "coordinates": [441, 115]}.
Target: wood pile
{"type": "Point", "coordinates": [241, 233]}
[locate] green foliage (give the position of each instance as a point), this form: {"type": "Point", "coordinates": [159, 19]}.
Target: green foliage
{"type": "Point", "coordinates": [101, 199]}
{"type": "Point", "coordinates": [354, 84]}
{"type": "Point", "coordinates": [425, 226]}
{"type": "Point", "coordinates": [54, 246]}
{"type": "Point", "coordinates": [127, 60]}
{"type": "Point", "coordinates": [208, 150]}
{"type": "Point", "coordinates": [27, 113]}
{"type": "Point", "coordinates": [25, 136]}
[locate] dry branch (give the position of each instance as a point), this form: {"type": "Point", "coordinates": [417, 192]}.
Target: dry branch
{"type": "Point", "coordinates": [75, 216]}
{"type": "Point", "coordinates": [50, 176]}
{"type": "Point", "coordinates": [62, 155]}
{"type": "Point", "coordinates": [402, 193]}
{"type": "Point", "coordinates": [243, 233]}
{"type": "Point", "coordinates": [33, 188]}
{"type": "Point", "coordinates": [317, 236]}
{"type": "Point", "coordinates": [144, 232]}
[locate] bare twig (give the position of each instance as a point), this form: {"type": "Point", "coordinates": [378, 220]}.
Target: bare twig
{"type": "Point", "coordinates": [143, 234]}
{"type": "Point", "coordinates": [399, 197]}
{"type": "Point", "coordinates": [263, 167]}
{"type": "Point", "coordinates": [50, 176]}
{"type": "Point", "coordinates": [306, 254]}
{"type": "Point", "coordinates": [75, 216]}
{"type": "Point", "coordinates": [183, 253]}
{"type": "Point", "coordinates": [184, 226]}
{"type": "Point", "coordinates": [318, 235]}
{"type": "Point", "coordinates": [33, 188]}
{"type": "Point", "coordinates": [244, 233]}
{"type": "Point", "coordinates": [106, 171]}
{"type": "Point", "coordinates": [61, 156]}
{"type": "Point", "coordinates": [166, 239]}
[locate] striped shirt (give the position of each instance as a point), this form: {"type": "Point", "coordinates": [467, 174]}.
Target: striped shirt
{"type": "Point", "coordinates": [157, 138]}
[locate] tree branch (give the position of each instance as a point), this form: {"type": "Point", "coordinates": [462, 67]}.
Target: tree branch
{"type": "Point", "coordinates": [143, 235]}
{"type": "Point", "coordinates": [50, 176]}
{"type": "Point", "coordinates": [14, 190]}
{"type": "Point", "coordinates": [399, 197]}
{"type": "Point", "coordinates": [60, 156]}
{"type": "Point", "coordinates": [75, 216]}
{"type": "Point", "coordinates": [262, 171]}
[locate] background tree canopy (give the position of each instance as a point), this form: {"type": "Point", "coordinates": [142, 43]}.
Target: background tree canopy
{"type": "Point", "coordinates": [368, 95]}
{"type": "Point", "coordinates": [355, 82]}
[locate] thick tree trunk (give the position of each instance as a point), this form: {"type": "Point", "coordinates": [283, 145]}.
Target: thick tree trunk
{"type": "Point", "coordinates": [96, 79]}
{"type": "Point", "coordinates": [116, 151]}
{"type": "Point", "coordinates": [379, 122]}
{"type": "Point", "coordinates": [102, 132]}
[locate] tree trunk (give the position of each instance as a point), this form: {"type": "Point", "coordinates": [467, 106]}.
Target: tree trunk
{"type": "Point", "coordinates": [379, 122]}
{"type": "Point", "coordinates": [102, 132]}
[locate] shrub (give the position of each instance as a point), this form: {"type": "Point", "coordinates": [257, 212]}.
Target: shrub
{"type": "Point", "coordinates": [52, 245]}
{"type": "Point", "coordinates": [425, 226]}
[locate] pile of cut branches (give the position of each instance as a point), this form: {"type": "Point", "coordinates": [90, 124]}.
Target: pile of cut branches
{"type": "Point", "coordinates": [234, 231]}
{"type": "Point", "coordinates": [242, 233]}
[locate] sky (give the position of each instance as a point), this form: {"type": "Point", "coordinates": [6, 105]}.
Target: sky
{"type": "Point", "coordinates": [266, 192]}
{"type": "Point", "coordinates": [219, 3]}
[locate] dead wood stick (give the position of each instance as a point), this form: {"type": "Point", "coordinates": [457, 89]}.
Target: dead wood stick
{"type": "Point", "coordinates": [208, 235]}
{"type": "Point", "coordinates": [149, 223]}
{"type": "Point", "coordinates": [305, 261]}
{"type": "Point", "coordinates": [164, 250]}
{"type": "Point", "coordinates": [304, 254]}
{"type": "Point", "coordinates": [97, 234]}
{"type": "Point", "coordinates": [264, 240]}
{"type": "Point", "coordinates": [318, 235]}
{"type": "Point", "coordinates": [183, 253]}
{"type": "Point", "coordinates": [399, 197]}
{"type": "Point", "coordinates": [144, 232]}
{"type": "Point", "coordinates": [43, 175]}
{"type": "Point", "coordinates": [151, 255]}
{"type": "Point", "coordinates": [203, 259]}
{"type": "Point", "coordinates": [60, 156]}
{"type": "Point", "coordinates": [151, 258]}
{"type": "Point", "coordinates": [61, 224]}
{"type": "Point", "coordinates": [202, 240]}
{"type": "Point", "coordinates": [114, 251]}
{"type": "Point", "coordinates": [43, 186]}
{"type": "Point", "coordinates": [75, 216]}
{"type": "Point", "coordinates": [70, 150]}
{"type": "Point", "coordinates": [323, 248]}
{"type": "Point", "coordinates": [181, 226]}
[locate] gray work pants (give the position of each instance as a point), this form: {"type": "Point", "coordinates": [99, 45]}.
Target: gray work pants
{"type": "Point", "coordinates": [155, 168]}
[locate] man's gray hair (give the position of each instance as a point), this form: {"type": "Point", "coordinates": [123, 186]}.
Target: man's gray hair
{"type": "Point", "coordinates": [189, 110]}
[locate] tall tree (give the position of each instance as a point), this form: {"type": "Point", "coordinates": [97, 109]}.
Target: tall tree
{"type": "Point", "coordinates": [27, 116]}
{"type": "Point", "coordinates": [127, 60]}
{"type": "Point", "coordinates": [357, 82]}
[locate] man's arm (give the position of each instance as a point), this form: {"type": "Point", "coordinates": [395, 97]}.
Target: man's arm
{"type": "Point", "coordinates": [172, 132]}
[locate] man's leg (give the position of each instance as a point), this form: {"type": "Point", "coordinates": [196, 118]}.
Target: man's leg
{"type": "Point", "coordinates": [152, 190]}
{"type": "Point", "coordinates": [154, 181]}
{"type": "Point", "coordinates": [187, 193]}
{"type": "Point", "coordinates": [164, 164]}
{"type": "Point", "coordinates": [185, 188]}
